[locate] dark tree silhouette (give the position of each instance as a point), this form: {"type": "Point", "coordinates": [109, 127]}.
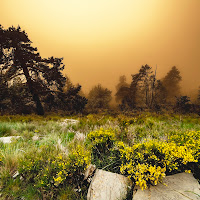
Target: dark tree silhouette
{"type": "Point", "coordinates": [4, 93]}
{"type": "Point", "coordinates": [19, 59]}
{"type": "Point", "coordinates": [145, 90]}
{"type": "Point", "coordinates": [143, 86]}
{"type": "Point", "coordinates": [147, 85]}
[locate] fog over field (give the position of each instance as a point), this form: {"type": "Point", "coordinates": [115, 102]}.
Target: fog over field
{"type": "Point", "coordinates": [101, 40]}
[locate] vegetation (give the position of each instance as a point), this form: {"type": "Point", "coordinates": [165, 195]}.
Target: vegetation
{"type": "Point", "coordinates": [49, 160]}
{"type": "Point", "coordinates": [154, 132]}
{"type": "Point", "coordinates": [27, 79]}
{"type": "Point", "coordinates": [99, 98]}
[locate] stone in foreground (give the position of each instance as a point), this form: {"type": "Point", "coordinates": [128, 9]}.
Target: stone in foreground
{"type": "Point", "coordinates": [181, 186]}
{"type": "Point", "coordinates": [7, 140]}
{"type": "Point", "coordinates": [108, 186]}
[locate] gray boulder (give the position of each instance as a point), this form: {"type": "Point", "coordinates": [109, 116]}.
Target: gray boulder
{"type": "Point", "coordinates": [108, 186]}
{"type": "Point", "coordinates": [181, 186]}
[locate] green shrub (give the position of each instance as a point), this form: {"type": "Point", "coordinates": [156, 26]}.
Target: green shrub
{"type": "Point", "coordinates": [49, 171]}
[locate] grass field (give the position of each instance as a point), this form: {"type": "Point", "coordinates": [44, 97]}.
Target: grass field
{"type": "Point", "coordinates": [49, 159]}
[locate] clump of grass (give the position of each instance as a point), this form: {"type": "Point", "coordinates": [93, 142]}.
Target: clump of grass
{"type": "Point", "coordinates": [5, 129]}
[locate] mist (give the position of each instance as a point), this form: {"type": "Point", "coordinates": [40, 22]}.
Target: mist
{"type": "Point", "coordinates": [102, 40]}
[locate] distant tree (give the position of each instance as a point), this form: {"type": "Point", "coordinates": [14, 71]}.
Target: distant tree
{"type": "Point", "coordinates": [19, 59]}
{"type": "Point", "coordinates": [122, 82]}
{"type": "Point", "coordinates": [160, 94]}
{"type": "Point", "coordinates": [147, 85]}
{"type": "Point", "coordinates": [171, 82]}
{"type": "Point", "coordinates": [99, 97]}
{"type": "Point", "coordinates": [122, 89]}
{"type": "Point", "coordinates": [144, 91]}
{"type": "Point", "coordinates": [144, 87]}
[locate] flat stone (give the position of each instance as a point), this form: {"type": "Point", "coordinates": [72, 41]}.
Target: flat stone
{"type": "Point", "coordinates": [8, 139]}
{"type": "Point", "coordinates": [182, 186]}
{"type": "Point", "coordinates": [66, 122]}
{"type": "Point", "coordinates": [108, 186]}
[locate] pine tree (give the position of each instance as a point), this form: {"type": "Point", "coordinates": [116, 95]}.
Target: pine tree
{"type": "Point", "coordinates": [19, 59]}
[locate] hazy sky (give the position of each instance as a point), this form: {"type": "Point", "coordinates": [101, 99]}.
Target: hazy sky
{"type": "Point", "coordinates": [103, 39]}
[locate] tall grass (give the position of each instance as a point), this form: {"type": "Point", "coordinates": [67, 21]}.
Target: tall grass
{"type": "Point", "coordinates": [51, 133]}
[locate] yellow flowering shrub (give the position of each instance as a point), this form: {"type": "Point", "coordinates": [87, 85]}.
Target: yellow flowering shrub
{"type": "Point", "coordinates": [79, 159]}
{"type": "Point", "coordinates": [101, 136]}
{"type": "Point", "coordinates": [52, 173]}
{"type": "Point", "coordinates": [190, 139]}
{"type": "Point", "coordinates": [101, 143]}
{"type": "Point", "coordinates": [148, 162]}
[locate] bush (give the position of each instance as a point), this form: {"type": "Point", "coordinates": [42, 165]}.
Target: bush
{"type": "Point", "coordinates": [102, 143]}
{"type": "Point", "coordinates": [148, 162]}
{"type": "Point", "coordinates": [49, 173]}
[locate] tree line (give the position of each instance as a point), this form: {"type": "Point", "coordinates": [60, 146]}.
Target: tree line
{"type": "Point", "coordinates": [146, 92]}
{"type": "Point", "coordinates": [30, 83]}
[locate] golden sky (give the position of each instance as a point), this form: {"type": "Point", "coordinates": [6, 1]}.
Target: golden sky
{"type": "Point", "coordinates": [103, 39]}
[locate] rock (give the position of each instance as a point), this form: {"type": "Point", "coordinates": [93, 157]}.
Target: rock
{"type": "Point", "coordinates": [89, 172]}
{"type": "Point", "coordinates": [8, 139]}
{"type": "Point", "coordinates": [108, 186]}
{"type": "Point", "coordinates": [35, 138]}
{"type": "Point", "coordinates": [16, 174]}
{"type": "Point", "coordinates": [67, 122]}
{"type": "Point", "coordinates": [181, 186]}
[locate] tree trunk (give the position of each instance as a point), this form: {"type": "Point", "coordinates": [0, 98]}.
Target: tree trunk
{"type": "Point", "coordinates": [36, 99]}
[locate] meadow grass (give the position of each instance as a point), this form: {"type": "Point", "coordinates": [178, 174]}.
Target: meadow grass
{"type": "Point", "coordinates": [51, 160]}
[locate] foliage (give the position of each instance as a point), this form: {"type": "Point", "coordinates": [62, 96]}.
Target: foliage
{"type": "Point", "coordinates": [171, 82]}
{"type": "Point", "coordinates": [102, 141]}
{"type": "Point", "coordinates": [49, 174]}
{"type": "Point", "coordinates": [102, 137]}
{"type": "Point", "coordinates": [190, 139]}
{"type": "Point", "coordinates": [198, 97]}
{"type": "Point", "coordinates": [148, 162]}
{"type": "Point", "coordinates": [99, 98]}
{"type": "Point", "coordinates": [122, 89]}
{"type": "Point", "coordinates": [145, 90]}
{"type": "Point", "coordinates": [69, 100]}
{"type": "Point", "coordinates": [145, 147]}
{"type": "Point", "coordinates": [27, 79]}
{"type": "Point", "coordinates": [182, 104]}
{"type": "Point", "coordinates": [20, 59]}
